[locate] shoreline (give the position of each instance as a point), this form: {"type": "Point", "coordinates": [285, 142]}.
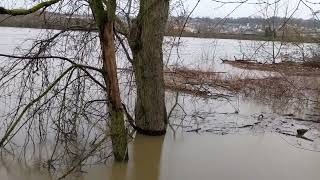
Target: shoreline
{"type": "Point", "coordinates": [194, 35]}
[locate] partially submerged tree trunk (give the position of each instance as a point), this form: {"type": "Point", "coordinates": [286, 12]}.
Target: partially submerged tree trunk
{"type": "Point", "coordinates": [105, 21]}
{"type": "Point", "coordinates": [145, 40]}
{"type": "Point", "coordinates": [118, 131]}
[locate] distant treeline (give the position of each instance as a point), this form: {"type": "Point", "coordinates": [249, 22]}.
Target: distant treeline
{"type": "Point", "coordinates": [58, 21]}
{"type": "Point", "coordinates": [257, 37]}
{"type": "Point", "coordinates": [46, 20]}
{"type": "Point", "coordinates": [308, 23]}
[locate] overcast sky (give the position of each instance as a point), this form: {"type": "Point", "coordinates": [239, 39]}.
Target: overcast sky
{"type": "Point", "coordinates": [210, 8]}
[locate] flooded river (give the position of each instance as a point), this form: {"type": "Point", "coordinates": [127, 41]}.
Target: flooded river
{"type": "Point", "coordinates": [205, 157]}
{"type": "Point", "coordinates": [189, 157]}
{"type": "Point", "coordinates": [243, 135]}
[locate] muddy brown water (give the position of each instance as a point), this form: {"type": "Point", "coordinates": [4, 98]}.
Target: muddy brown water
{"type": "Point", "coordinates": [239, 155]}
{"type": "Point", "coordinates": [198, 157]}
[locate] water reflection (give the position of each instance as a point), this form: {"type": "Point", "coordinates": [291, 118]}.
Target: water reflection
{"type": "Point", "coordinates": [207, 157]}
{"type": "Point", "coordinates": [144, 164]}
{"type": "Point", "coordinates": [204, 157]}
{"type": "Point", "coordinates": [10, 170]}
{"type": "Point", "coordinates": [146, 155]}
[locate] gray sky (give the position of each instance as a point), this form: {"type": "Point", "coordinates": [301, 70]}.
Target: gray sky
{"type": "Point", "coordinates": [209, 8]}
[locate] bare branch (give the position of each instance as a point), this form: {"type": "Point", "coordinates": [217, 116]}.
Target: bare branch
{"type": "Point", "coordinates": [7, 134]}
{"type": "Point", "coordinates": [17, 12]}
{"type": "Point", "coordinates": [53, 57]}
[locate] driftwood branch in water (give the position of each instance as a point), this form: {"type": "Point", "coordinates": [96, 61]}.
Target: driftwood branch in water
{"type": "Point", "coordinates": [250, 125]}
{"type": "Point", "coordinates": [194, 130]}
{"type": "Point", "coordinates": [301, 137]}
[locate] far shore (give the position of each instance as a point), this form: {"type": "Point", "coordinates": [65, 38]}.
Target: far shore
{"type": "Point", "coordinates": [253, 37]}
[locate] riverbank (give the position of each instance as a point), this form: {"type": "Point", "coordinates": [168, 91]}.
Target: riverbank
{"type": "Point", "coordinates": [91, 27]}
{"type": "Point", "coordinates": [253, 37]}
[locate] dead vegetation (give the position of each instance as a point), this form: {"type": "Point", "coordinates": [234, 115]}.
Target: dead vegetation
{"type": "Point", "coordinates": [201, 82]}
{"type": "Point", "coordinates": [195, 82]}
{"type": "Point", "coordinates": [217, 84]}
{"type": "Point", "coordinates": [308, 68]}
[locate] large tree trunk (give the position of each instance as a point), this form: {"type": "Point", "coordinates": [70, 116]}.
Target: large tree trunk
{"type": "Point", "coordinates": [105, 21]}
{"type": "Point", "coordinates": [145, 40]}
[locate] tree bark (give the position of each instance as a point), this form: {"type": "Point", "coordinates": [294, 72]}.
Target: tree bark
{"type": "Point", "coordinates": [145, 40]}
{"type": "Point", "coordinates": [105, 22]}
{"type": "Point", "coordinates": [118, 131]}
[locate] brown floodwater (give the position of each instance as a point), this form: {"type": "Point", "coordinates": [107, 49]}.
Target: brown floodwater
{"type": "Point", "coordinates": [198, 157]}
{"type": "Point", "coordinates": [190, 156]}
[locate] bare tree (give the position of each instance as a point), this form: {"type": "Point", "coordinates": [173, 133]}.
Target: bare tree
{"type": "Point", "coordinates": [144, 35]}
{"type": "Point", "coordinates": [104, 13]}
